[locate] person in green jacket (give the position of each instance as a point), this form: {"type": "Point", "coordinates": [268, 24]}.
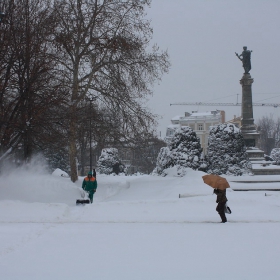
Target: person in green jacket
{"type": "Point", "coordinates": [90, 185]}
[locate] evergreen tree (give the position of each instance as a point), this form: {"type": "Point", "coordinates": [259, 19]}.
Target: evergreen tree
{"type": "Point", "coordinates": [226, 152]}
{"type": "Point", "coordinates": [163, 160]}
{"type": "Point", "coordinates": [183, 150]}
{"type": "Point", "coordinates": [109, 162]}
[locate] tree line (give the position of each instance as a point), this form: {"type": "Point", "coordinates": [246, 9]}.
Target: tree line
{"type": "Point", "coordinates": [57, 56]}
{"type": "Point", "coordinates": [269, 129]}
{"type": "Point", "coordinates": [226, 152]}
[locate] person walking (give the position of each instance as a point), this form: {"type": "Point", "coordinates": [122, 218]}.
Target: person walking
{"type": "Point", "coordinates": [90, 185]}
{"type": "Point", "coordinates": [221, 200]}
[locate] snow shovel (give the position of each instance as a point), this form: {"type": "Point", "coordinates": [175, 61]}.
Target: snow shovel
{"type": "Point", "coordinates": [83, 200]}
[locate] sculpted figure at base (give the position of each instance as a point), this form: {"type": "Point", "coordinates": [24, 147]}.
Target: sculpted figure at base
{"type": "Point", "coordinates": [245, 57]}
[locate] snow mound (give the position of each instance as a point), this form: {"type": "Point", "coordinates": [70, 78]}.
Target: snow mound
{"type": "Point", "coordinates": [59, 172]}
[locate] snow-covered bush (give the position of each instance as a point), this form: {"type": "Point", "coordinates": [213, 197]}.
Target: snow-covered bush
{"type": "Point", "coordinates": [275, 154]}
{"type": "Point", "coordinates": [109, 162]}
{"type": "Point", "coordinates": [226, 152]}
{"type": "Point", "coordinates": [183, 150]}
{"type": "Point", "coordinates": [163, 160]}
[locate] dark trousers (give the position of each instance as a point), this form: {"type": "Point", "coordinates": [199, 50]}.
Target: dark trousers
{"type": "Point", "coordinates": [221, 210]}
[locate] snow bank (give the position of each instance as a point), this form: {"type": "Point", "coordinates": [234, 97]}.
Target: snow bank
{"type": "Point", "coordinates": [59, 172]}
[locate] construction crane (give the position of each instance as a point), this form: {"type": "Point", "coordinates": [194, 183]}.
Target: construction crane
{"type": "Point", "coordinates": [275, 105]}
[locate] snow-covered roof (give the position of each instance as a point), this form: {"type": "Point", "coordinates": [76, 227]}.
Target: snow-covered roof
{"type": "Point", "coordinates": [173, 126]}
{"type": "Point", "coordinates": [176, 118]}
{"type": "Point", "coordinates": [201, 114]}
{"type": "Point", "coordinates": [204, 114]}
{"type": "Point", "coordinates": [195, 115]}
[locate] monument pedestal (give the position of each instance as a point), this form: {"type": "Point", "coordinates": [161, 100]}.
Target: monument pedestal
{"type": "Point", "coordinates": [250, 134]}
{"type": "Point", "coordinates": [251, 138]}
{"type": "Point", "coordinates": [248, 129]}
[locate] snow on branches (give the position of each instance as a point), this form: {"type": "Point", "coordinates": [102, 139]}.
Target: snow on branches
{"type": "Point", "coordinates": [183, 150]}
{"type": "Point", "coordinates": [275, 154]}
{"type": "Point", "coordinates": [109, 162]}
{"type": "Point", "coordinates": [226, 152]}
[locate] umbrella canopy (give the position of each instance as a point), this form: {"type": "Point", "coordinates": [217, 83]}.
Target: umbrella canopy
{"type": "Point", "coordinates": [216, 181]}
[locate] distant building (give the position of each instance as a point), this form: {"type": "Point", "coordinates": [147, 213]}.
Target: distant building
{"type": "Point", "coordinates": [201, 123]}
{"type": "Point", "coordinates": [236, 121]}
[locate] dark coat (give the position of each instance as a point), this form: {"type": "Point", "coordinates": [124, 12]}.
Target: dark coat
{"type": "Point", "coordinates": [221, 195]}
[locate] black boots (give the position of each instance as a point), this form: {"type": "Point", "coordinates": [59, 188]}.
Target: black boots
{"type": "Point", "coordinates": [223, 217]}
{"type": "Point", "coordinates": [221, 210]}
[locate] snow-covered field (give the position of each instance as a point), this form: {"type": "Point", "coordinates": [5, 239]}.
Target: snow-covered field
{"type": "Point", "coordinates": [137, 228]}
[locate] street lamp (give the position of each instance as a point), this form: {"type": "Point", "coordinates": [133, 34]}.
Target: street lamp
{"type": "Point", "coordinates": [90, 150]}
{"type": "Point", "coordinates": [91, 99]}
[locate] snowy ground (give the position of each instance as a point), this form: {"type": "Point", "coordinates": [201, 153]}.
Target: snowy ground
{"type": "Point", "coordinates": [137, 228]}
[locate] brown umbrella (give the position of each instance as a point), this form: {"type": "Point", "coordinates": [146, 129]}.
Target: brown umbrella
{"type": "Point", "coordinates": [216, 181]}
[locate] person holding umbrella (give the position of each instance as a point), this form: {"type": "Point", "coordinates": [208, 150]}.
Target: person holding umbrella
{"type": "Point", "coordinates": [219, 184]}
{"type": "Point", "coordinates": [221, 200]}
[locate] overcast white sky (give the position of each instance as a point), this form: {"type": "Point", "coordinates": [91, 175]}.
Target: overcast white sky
{"type": "Point", "coordinates": [202, 37]}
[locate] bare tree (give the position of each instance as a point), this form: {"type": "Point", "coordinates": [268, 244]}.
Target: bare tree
{"type": "Point", "coordinates": [276, 133]}
{"type": "Point", "coordinates": [27, 77]}
{"type": "Point", "coordinates": [104, 48]}
{"type": "Point", "coordinates": [146, 152]}
{"type": "Point", "coordinates": [266, 126]}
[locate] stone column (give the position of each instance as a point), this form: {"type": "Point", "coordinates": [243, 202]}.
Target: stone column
{"type": "Point", "coordinates": [248, 128]}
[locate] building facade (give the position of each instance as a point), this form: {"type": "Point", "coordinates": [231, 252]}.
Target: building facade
{"type": "Point", "coordinates": [201, 123]}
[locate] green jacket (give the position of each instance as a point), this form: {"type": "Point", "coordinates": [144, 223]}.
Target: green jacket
{"type": "Point", "coordinates": [89, 184]}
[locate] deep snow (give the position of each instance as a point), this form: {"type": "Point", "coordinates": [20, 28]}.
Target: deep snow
{"type": "Point", "coordinates": [137, 228]}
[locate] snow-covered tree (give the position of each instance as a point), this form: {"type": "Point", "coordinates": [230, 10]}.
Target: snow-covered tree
{"type": "Point", "coordinates": [183, 150]}
{"type": "Point", "coordinates": [109, 162]}
{"type": "Point", "coordinates": [226, 152]}
{"type": "Point", "coordinates": [163, 160]}
{"type": "Point", "coordinates": [275, 154]}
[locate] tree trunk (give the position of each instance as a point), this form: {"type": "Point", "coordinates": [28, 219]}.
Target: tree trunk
{"type": "Point", "coordinates": [83, 150]}
{"type": "Point", "coordinates": [27, 145]}
{"type": "Point", "coordinates": [72, 144]}
{"type": "Point", "coordinates": [73, 126]}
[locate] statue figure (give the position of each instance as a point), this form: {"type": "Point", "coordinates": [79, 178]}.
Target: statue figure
{"type": "Point", "coordinates": [245, 57]}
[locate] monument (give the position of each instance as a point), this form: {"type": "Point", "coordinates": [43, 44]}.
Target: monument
{"type": "Point", "coordinates": [248, 128]}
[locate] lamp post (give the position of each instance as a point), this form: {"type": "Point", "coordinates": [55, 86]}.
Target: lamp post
{"type": "Point", "coordinates": [90, 139]}
{"type": "Point", "coordinates": [91, 98]}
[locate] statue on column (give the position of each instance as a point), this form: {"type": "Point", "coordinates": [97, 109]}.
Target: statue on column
{"type": "Point", "coordinates": [245, 57]}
